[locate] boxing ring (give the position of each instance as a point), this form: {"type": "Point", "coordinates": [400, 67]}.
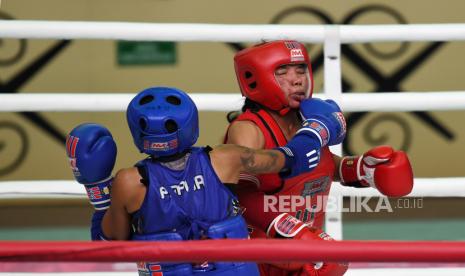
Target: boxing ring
{"type": "Point", "coordinates": [422, 253]}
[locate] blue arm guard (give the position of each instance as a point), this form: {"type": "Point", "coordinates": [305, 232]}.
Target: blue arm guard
{"type": "Point", "coordinates": [302, 153]}
{"type": "Point", "coordinates": [96, 232]}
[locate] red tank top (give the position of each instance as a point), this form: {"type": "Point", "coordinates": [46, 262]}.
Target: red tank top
{"type": "Point", "coordinates": [303, 196]}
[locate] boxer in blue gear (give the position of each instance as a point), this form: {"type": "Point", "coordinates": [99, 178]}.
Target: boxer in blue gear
{"type": "Point", "coordinates": [178, 191]}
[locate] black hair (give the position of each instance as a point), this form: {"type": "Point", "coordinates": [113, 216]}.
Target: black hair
{"type": "Point", "coordinates": [248, 105]}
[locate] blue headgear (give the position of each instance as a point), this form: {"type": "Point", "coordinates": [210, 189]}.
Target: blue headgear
{"type": "Point", "coordinates": [163, 121]}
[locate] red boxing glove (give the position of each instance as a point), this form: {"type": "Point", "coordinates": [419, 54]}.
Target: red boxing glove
{"type": "Point", "coordinates": [287, 226]}
{"type": "Point", "coordinates": [382, 168]}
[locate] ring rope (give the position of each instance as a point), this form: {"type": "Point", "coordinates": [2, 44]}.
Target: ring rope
{"type": "Point", "coordinates": [38, 29]}
{"type": "Point", "coordinates": [256, 250]}
{"type": "Point", "coordinates": [424, 187]}
{"type": "Point", "coordinates": [353, 102]}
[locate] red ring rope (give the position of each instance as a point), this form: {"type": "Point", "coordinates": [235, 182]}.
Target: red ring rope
{"type": "Point", "coordinates": [258, 250]}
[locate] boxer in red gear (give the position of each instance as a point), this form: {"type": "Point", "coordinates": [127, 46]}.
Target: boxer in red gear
{"type": "Point", "coordinates": [275, 77]}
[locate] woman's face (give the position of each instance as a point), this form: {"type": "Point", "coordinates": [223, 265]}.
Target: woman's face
{"type": "Point", "coordinates": [294, 82]}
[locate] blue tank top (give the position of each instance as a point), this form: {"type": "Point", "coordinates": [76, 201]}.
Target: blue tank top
{"type": "Point", "coordinates": [186, 201]}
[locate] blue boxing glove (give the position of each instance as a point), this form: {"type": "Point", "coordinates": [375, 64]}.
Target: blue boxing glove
{"type": "Point", "coordinates": [326, 120]}
{"type": "Point", "coordinates": [302, 153]}
{"type": "Point", "coordinates": [92, 154]}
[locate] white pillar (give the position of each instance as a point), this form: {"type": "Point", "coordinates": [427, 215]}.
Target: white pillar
{"type": "Point", "coordinates": [333, 90]}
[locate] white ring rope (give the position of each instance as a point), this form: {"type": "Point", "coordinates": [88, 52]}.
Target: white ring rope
{"type": "Point", "coordinates": [225, 32]}
{"type": "Point", "coordinates": [349, 102]}
{"type": "Point", "coordinates": [104, 102]}
{"type": "Point", "coordinates": [424, 187]}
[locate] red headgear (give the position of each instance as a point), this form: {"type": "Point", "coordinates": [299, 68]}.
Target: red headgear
{"type": "Point", "coordinates": [255, 71]}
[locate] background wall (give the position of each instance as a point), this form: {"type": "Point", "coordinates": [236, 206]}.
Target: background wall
{"type": "Point", "coordinates": [32, 144]}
